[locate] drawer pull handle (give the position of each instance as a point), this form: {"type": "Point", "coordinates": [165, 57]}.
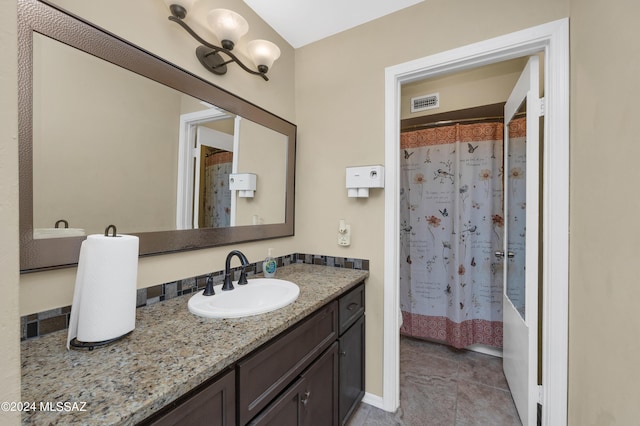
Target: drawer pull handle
{"type": "Point", "coordinates": [305, 398]}
{"type": "Point", "coordinates": [352, 306]}
{"type": "Point", "coordinates": [343, 353]}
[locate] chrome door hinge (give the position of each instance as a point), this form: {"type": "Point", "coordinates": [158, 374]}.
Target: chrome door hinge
{"type": "Point", "coordinates": [543, 108]}
{"type": "Point", "coordinates": [540, 394]}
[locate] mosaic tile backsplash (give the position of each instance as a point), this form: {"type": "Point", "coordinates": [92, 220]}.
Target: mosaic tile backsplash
{"type": "Point", "coordinates": [41, 323]}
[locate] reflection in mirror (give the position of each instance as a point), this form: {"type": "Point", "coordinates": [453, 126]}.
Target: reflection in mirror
{"type": "Point", "coordinates": [262, 152]}
{"type": "Point", "coordinates": [214, 164]}
{"type": "Point", "coordinates": [213, 146]}
{"type": "Point", "coordinates": [105, 150]}
{"type": "Point", "coordinates": [110, 134]}
{"type": "Point", "coordinates": [101, 155]}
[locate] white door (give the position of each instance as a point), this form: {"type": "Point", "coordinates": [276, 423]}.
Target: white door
{"type": "Point", "coordinates": [520, 255]}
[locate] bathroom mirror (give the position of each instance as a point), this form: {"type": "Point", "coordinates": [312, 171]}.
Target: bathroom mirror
{"type": "Point", "coordinates": [110, 134]}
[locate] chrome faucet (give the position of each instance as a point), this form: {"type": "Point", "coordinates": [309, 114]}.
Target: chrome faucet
{"type": "Point", "coordinates": [228, 285]}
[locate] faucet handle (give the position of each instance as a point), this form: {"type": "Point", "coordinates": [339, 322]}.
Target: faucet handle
{"type": "Point", "coordinates": [208, 290]}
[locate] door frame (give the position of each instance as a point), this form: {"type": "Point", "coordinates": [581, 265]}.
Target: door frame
{"type": "Point", "coordinates": [553, 39]}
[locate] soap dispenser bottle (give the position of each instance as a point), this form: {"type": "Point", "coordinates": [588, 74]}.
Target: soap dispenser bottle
{"type": "Point", "coordinates": [269, 265]}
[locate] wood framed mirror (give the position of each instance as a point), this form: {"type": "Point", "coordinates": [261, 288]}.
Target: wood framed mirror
{"type": "Point", "coordinates": [83, 119]}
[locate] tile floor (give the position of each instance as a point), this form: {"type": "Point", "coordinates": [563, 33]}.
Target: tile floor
{"type": "Point", "coordinates": [440, 385]}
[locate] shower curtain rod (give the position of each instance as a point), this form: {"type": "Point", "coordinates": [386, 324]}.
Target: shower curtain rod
{"type": "Point", "coordinates": [461, 121]}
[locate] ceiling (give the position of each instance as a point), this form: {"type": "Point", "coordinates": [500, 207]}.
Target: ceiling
{"type": "Point", "coordinates": [301, 22]}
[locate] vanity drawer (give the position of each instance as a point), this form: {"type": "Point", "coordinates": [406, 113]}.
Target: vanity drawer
{"type": "Point", "coordinates": [269, 370]}
{"type": "Point", "coordinates": [351, 307]}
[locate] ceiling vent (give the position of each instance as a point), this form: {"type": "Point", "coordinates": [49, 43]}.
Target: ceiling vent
{"type": "Point", "coordinates": [423, 103]}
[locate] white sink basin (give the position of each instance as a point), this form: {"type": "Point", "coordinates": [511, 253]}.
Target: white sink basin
{"type": "Point", "coordinates": [260, 295]}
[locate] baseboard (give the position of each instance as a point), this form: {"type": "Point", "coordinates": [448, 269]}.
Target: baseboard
{"type": "Point", "coordinates": [487, 350]}
{"type": "Point", "coordinates": [373, 400]}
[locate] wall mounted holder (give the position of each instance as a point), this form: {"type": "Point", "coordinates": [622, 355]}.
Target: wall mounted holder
{"type": "Point", "coordinates": [244, 183]}
{"type": "Point", "coordinates": [360, 179]}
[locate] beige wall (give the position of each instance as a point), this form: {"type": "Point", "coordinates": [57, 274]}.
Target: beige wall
{"type": "Point", "coordinates": [604, 325]}
{"type": "Point", "coordinates": [9, 259]}
{"type": "Point", "coordinates": [486, 85]}
{"type": "Point", "coordinates": [105, 144]}
{"type": "Point", "coordinates": [262, 152]}
{"type": "Point", "coordinates": [340, 114]}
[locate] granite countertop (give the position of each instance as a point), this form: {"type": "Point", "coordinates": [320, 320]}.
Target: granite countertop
{"type": "Point", "coordinates": [170, 352]}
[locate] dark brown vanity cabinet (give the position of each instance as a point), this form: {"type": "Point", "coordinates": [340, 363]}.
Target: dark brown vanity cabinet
{"type": "Point", "coordinates": [311, 374]}
{"type": "Point", "coordinates": [263, 375]}
{"type": "Point", "coordinates": [328, 391]}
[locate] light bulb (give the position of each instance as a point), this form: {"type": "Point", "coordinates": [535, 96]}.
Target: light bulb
{"type": "Point", "coordinates": [263, 53]}
{"type": "Point", "coordinates": [228, 26]}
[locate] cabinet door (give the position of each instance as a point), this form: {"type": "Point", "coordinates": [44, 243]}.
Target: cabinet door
{"type": "Point", "coordinates": [320, 396]}
{"type": "Point", "coordinates": [214, 405]}
{"type": "Point", "coordinates": [351, 369]}
{"type": "Point", "coordinates": [311, 401]}
{"type": "Point", "coordinates": [285, 410]}
{"type": "Point", "coordinates": [269, 370]}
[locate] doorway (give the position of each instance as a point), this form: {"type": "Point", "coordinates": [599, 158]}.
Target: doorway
{"type": "Point", "coordinates": [552, 39]}
{"type": "Point", "coordinates": [452, 214]}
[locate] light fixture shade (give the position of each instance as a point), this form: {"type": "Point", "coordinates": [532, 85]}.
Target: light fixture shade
{"type": "Point", "coordinates": [263, 52]}
{"type": "Point", "coordinates": [227, 25]}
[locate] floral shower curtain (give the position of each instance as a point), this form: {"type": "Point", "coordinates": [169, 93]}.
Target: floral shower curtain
{"type": "Point", "coordinates": [451, 225]}
{"type": "Point", "coordinates": [217, 196]}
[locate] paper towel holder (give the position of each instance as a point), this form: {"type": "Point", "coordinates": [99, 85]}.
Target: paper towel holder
{"type": "Point", "coordinates": [108, 228]}
{"type": "Point", "coordinates": [75, 343]}
{"type": "Point", "coordinates": [62, 221]}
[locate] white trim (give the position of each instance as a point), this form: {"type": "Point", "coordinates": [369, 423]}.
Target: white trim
{"type": "Point", "coordinates": [553, 39]}
{"type": "Point", "coordinates": [486, 350]}
{"type": "Point", "coordinates": [373, 400]}
{"type": "Point", "coordinates": [234, 167]}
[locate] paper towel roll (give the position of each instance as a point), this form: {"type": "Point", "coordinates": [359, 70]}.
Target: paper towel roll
{"type": "Point", "coordinates": [104, 298]}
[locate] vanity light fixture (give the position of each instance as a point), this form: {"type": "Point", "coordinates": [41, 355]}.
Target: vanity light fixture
{"type": "Point", "coordinates": [228, 26]}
